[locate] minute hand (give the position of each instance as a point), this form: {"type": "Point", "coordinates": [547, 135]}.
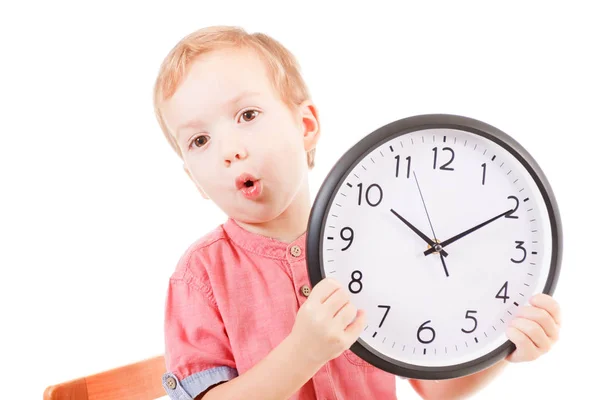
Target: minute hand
{"type": "Point", "coordinates": [465, 233]}
{"type": "Point", "coordinates": [419, 233]}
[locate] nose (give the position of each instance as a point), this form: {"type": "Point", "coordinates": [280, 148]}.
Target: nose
{"type": "Point", "coordinates": [233, 151]}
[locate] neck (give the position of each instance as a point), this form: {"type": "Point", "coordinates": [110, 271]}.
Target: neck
{"type": "Point", "coordinates": [291, 223]}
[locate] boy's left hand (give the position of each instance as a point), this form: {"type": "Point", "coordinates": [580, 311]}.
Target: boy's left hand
{"type": "Point", "coordinates": [535, 328]}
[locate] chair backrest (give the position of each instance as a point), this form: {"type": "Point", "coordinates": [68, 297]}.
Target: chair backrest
{"type": "Point", "coordinates": [139, 381]}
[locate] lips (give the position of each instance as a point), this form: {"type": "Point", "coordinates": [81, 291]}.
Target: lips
{"type": "Point", "coordinates": [245, 181]}
{"type": "Point", "coordinates": [249, 186]}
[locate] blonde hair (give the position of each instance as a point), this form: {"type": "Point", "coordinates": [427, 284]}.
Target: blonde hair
{"type": "Point", "coordinates": [282, 66]}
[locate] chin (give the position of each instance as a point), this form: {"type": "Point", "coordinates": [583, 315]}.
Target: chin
{"type": "Point", "coordinates": [257, 213]}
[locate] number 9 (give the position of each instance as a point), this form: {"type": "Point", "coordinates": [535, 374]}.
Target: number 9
{"type": "Point", "coordinates": [350, 239]}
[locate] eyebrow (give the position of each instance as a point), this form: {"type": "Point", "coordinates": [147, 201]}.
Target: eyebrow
{"type": "Point", "coordinates": [233, 100]}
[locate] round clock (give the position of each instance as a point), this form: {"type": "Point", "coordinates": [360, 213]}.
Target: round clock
{"type": "Point", "coordinates": [440, 227]}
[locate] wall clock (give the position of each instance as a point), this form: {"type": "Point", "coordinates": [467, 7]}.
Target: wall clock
{"type": "Point", "coordinates": [440, 227]}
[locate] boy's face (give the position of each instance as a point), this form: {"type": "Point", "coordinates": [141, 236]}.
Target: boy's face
{"type": "Point", "coordinates": [241, 145]}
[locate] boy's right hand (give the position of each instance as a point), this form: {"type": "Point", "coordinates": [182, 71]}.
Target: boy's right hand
{"type": "Point", "coordinates": [324, 326]}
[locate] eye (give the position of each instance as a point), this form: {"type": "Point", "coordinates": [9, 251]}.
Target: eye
{"type": "Point", "coordinates": [249, 115]}
{"type": "Point", "coordinates": [200, 141]}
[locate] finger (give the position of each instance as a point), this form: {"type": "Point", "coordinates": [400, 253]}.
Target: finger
{"type": "Point", "coordinates": [335, 302]}
{"type": "Point", "coordinates": [534, 332]}
{"type": "Point", "coordinates": [345, 315]}
{"type": "Point", "coordinates": [549, 304]}
{"type": "Point", "coordinates": [323, 289]}
{"type": "Point", "coordinates": [355, 328]}
{"type": "Point", "coordinates": [543, 318]}
{"type": "Point", "coordinates": [525, 349]}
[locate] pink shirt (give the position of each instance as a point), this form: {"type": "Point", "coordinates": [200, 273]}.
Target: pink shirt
{"type": "Point", "coordinates": [233, 297]}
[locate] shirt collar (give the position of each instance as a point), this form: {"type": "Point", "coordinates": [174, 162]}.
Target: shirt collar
{"type": "Point", "coordinates": [264, 245]}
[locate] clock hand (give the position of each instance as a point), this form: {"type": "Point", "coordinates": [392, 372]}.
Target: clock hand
{"type": "Point", "coordinates": [444, 264]}
{"type": "Point", "coordinates": [465, 233]}
{"type": "Point", "coordinates": [424, 206]}
{"type": "Point", "coordinates": [429, 219]}
{"type": "Point", "coordinates": [418, 232]}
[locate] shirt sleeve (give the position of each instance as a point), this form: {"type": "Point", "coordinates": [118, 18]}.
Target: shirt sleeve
{"type": "Point", "coordinates": [197, 350]}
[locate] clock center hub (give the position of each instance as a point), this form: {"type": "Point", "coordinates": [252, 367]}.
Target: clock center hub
{"type": "Point", "coordinates": [438, 247]}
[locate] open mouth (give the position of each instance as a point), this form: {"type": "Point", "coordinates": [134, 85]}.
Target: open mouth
{"type": "Point", "coordinates": [245, 181]}
{"type": "Point", "coordinates": [249, 186]}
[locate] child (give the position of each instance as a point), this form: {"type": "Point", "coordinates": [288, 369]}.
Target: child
{"type": "Point", "coordinates": [241, 320]}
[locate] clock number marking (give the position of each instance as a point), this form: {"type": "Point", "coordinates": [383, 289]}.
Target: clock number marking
{"type": "Point", "coordinates": [367, 196]}
{"type": "Point", "coordinates": [510, 214]}
{"type": "Point", "coordinates": [467, 316]}
{"type": "Point", "coordinates": [348, 239]}
{"type": "Point", "coordinates": [398, 166]}
{"type": "Point", "coordinates": [423, 328]}
{"type": "Point", "coordinates": [445, 166]}
{"type": "Point", "coordinates": [505, 289]}
{"type": "Point", "coordinates": [355, 280]}
{"type": "Point", "coordinates": [483, 179]}
{"type": "Point", "coordinates": [384, 315]}
{"type": "Point", "coordinates": [520, 246]}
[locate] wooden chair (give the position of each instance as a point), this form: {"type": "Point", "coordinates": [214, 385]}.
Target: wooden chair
{"type": "Point", "coordinates": [138, 381]}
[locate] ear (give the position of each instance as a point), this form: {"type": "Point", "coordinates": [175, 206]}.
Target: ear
{"type": "Point", "coordinates": [311, 127]}
{"type": "Point", "coordinates": [202, 193]}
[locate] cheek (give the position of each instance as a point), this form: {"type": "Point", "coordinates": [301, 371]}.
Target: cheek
{"type": "Point", "coordinates": [285, 153]}
{"type": "Point", "coordinates": [203, 171]}
{"type": "Point", "coordinates": [288, 170]}
{"type": "Point", "coordinates": [289, 142]}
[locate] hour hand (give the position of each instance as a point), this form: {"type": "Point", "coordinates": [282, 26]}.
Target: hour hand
{"type": "Point", "coordinates": [419, 233]}
{"type": "Point", "coordinates": [468, 231]}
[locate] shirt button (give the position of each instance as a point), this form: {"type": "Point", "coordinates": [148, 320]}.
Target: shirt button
{"type": "Point", "coordinates": [305, 290]}
{"type": "Point", "coordinates": [296, 251]}
{"type": "Point", "coordinates": [171, 383]}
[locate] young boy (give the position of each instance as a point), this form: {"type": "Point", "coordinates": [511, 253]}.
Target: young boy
{"type": "Point", "coordinates": [242, 321]}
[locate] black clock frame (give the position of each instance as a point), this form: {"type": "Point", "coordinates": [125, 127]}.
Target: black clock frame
{"type": "Point", "coordinates": [338, 174]}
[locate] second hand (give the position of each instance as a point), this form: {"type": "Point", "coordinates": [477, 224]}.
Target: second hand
{"type": "Point", "coordinates": [423, 200]}
{"type": "Point", "coordinates": [430, 224]}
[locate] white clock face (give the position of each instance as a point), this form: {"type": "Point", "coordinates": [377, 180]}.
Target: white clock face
{"type": "Point", "coordinates": [441, 183]}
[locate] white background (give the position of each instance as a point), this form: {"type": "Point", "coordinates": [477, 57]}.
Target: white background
{"type": "Point", "coordinates": [95, 208]}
